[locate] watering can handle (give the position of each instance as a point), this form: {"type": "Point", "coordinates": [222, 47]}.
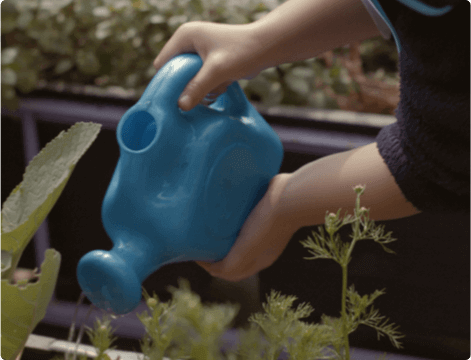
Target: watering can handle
{"type": "Point", "coordinates": [168, 84]}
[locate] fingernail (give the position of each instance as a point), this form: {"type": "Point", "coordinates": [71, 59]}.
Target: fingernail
{"type": "Point", "coordinates": [184, 101]}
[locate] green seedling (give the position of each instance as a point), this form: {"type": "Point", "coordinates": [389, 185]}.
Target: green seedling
{"type": "Point", "coordinates": [184, 328]}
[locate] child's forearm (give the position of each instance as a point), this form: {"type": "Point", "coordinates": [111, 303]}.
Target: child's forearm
{"type": "Point", "coordinates": [327, 185]}
{"type": "Point", "coordinates": [302, 29]}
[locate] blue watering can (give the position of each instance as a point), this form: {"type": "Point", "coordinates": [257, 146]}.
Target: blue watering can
{"type": "Point", "coordinates": [184, 184]}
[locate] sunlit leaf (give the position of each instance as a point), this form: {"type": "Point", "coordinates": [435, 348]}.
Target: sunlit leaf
{"type": "Point", "coordinates": [45, 178]}
{"type": "Point", "coordinates": [23, 307]}
{"type": "Point", "coordinates": [24, 304]}
{"type": "Point", "coordinates": [6, 260]}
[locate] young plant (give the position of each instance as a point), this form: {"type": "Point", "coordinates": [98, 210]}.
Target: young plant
{"type": "Point", "coordinates": [184, 328]}
{"type": "Point", "coordinates": [283, 329]}
{"type": "Point", "coordinates": [102, 337]}
{"type": "Point", "coordinates": [355, 309]}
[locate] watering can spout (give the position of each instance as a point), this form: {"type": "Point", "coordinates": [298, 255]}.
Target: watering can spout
{"type": "Point", "coordinates": [109, 282]}
{"type": "Point", "coordinates": [183, 186]}
{"type": "Point", "coordinates": [112, 279]}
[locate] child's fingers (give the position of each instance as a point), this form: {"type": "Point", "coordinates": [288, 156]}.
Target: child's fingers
{"type": "Point", "coordinates": [203, 88]}
{"type": "Point", "coordinates": [207, 80]}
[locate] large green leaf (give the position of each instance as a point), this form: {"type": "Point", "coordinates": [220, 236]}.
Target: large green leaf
{"type": "Point", "coordinates": [23, 307]}
{"type": "Point", "coordinates": [44, 179]}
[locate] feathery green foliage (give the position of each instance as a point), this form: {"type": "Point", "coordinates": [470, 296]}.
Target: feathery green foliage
{"type": "Point", "coordinates": [184, 328]}
{"type": "Point", "coordinates": [356, 310]}
{"type": "Point", "coordinates": [102, 337]}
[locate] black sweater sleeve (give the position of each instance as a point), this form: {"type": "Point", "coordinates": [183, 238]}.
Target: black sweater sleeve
{"type": "Point", "coordinates": [428, 149]}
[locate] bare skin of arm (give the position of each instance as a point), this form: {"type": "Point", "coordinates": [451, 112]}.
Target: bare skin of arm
{"type": "Point", "coordinates": [303, 198]}
{"type": "Point", "coordinates": [336, 176]}
{"type": "Point", "coordinates": [301, 29]}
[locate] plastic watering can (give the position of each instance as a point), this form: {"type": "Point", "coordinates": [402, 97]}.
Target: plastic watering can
{"type": "Point", "coordinates": [184, 184]}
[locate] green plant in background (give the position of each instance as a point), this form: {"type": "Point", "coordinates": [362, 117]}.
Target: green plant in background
{"type": "Point", "coordinates": [184, 328]}
{"type": "Point", "coordinates": [356, 310]}
{"type": "Point", "coordinates": [63, 43]}
{"type": "Point", "coordinates": [24, 304]}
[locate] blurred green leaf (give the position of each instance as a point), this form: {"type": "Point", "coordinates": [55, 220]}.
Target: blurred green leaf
{"type": "Point", "coordinates": [275, 95]}
{"type": "Point", "coordinates": [27, 80]}
{"type": "Point", "coordinates": [157, 19]}
{"type": "Point", "coordinates": [258, 86]}
{"type": "Point", "coordinates": [87, 62]}
{"type": "Point", "coordinates": [270, 73]}
{"type": "Point", "coordinates": [197, 6]}
{"type": "Point", "coordinates": [24, 19]}
{"type": "Point", "coordinates": [117, 38]}
{"type": "Point", "coordinates": [9, 77]}
{"type": "Point", "coordinates": [69, 26]}
{"type": "Point", "coordinates": [101, 11]}
{"type": "Point", "coordinates": [340, 88]}
{"type": "Point", "coordinates": [9, 55]}
{"type": "Point", "coordinates": [334, 71]}
{"type": "Point", "coordinates": [318, 99]}
{"type": "Point", "coordinates": [297, 84]}
{"type": "Point", "coordinates": [53, 6]}
{"type": "Point", "coordinates": [8, 23]}
{"type": "Point", "coordinates": [9, 98]}
{"type": "Point", "coordinates": [303, 72]}
{"type": "Point", "coordinates": [63, 66]}
{"type": "Point", "coordinates": [104, 29]}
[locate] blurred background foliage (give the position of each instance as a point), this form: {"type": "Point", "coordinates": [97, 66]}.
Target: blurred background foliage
{"type": "Point", "coordinates": [108, 46]}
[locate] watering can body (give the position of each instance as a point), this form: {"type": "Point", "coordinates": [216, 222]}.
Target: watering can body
{"type": "Point", "coordinates": [183, 186]}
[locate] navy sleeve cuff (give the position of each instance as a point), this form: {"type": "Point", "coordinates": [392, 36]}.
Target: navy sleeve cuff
{"type": "Point", "coordinates": [423, 193]}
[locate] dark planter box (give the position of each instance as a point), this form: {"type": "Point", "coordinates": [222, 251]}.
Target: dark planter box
{"type": "Point", "coordinates": [427, 282]}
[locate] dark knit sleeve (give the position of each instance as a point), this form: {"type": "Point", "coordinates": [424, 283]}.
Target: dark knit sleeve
{"type": "Point", "coordinates": [428, 149]}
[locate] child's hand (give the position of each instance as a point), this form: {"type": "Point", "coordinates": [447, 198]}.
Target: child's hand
{"type": "Point", "coordinates": [229, 53]}
{"type": "Point", "coordinates": [262, 239]}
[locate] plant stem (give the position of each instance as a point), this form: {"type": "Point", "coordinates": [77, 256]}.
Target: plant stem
{"type": "Point", "coordinates": [80, 334]}
{"type": "Point", "coordinates": [344, 312]}
{"type": "Point", "coordinates": [72, 326]}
